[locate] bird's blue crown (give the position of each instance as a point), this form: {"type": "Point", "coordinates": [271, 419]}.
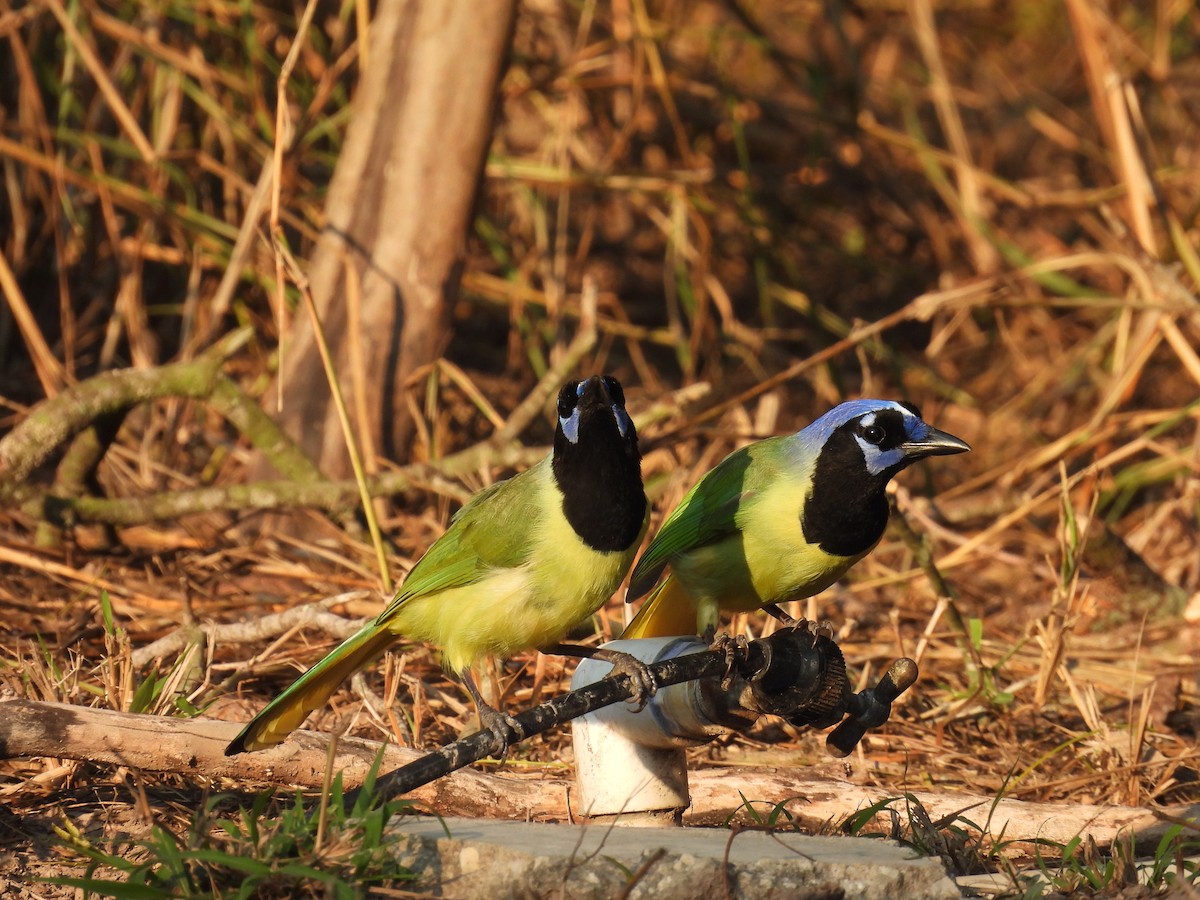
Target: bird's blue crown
{"type": "Point", "coordinates": [816, 433]}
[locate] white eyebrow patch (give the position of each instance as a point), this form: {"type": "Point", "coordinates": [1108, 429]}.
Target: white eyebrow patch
{"type": "Point", "coordinates": [868, 419]}
{"type": "Point", "coordinates": [623, 421]}
{"type": "Point", "coordinates": [570, 426]}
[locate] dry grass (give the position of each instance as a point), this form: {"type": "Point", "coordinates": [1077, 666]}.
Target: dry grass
{"type": "Point", "coordinates": [759, 192]}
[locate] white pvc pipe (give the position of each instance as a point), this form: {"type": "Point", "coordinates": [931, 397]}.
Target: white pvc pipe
{"type": "Point", "coordinates": [631, 766]}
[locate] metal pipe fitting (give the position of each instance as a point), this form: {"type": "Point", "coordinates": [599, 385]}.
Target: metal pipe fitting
{"type": "Point", "coordinates": [631, 764]}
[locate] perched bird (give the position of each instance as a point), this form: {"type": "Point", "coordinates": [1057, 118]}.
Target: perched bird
{"type": "Point", "coordinates": [780, 519]}
{"type": "Point", "coordinates": [521, 563]}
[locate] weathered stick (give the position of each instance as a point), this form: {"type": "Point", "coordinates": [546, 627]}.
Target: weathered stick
{"type": "Point", "coordinates": [197, 747]}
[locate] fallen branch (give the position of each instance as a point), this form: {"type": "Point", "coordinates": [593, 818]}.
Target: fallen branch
{"type": "Point", "coordinates": [196, 747]}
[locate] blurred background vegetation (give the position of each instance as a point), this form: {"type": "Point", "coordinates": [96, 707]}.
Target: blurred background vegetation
{"type": "Point", "coordinates": [1009, 190]}
{"type": "Point", "coordinates": [742, 179]}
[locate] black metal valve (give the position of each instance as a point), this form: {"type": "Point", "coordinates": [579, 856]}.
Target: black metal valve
{"type": "Point", "coordinates": [801, 677]}
{"type": "Point", "coordinates": [871, 708]}
{"type": "Point", "coordinates": [799, 674]}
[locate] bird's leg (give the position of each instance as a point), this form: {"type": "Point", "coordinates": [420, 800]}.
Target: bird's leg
{"type": "Point", "coordinates": [784, 619]}
{"type": "Point", "coordinates": [504, 728]}
{"type": "Point", "coordinates": [641, 679]}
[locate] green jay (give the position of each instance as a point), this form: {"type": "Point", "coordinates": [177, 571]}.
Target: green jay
{"type": "Point", "coordinates": [522, 562]}
{"type": "Point", "coordinates": [779, 519]}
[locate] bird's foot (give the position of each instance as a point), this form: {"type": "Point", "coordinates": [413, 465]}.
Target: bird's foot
{"type": "Point", "coordinates": [504, 729]}
{"type": "Point", "coordinates": [735, 650]}
{"type": "Point", "coordinates": [824, 628]}
{"type": "Point", "coordinates": [641, 678]}
{"type": "Point", "coordinates": [821, 629]}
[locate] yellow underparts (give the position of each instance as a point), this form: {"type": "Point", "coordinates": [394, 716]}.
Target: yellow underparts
{"type": "Point", "coordinates": [521, 608]}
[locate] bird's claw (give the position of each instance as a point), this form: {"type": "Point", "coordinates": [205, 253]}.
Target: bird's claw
{"type": "Point", "coordinates": [734, 649]}
{"type": "Point", "coordinates": [504, 729]}
{"type": "Point", "coordinates": [821, 629]}
{"type": "Point", "coordinates": [641, 679]}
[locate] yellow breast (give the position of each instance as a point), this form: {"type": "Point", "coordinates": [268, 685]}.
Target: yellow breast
{"type": "Point", "coordinates": [509, 610]}
{"type": "Point", "coordinates": [766, 561]}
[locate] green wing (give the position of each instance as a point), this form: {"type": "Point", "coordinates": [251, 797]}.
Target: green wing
{"type": "Point", "coordinates": [494, 530]}
{"type": "Point", "coordinates": [709, 511]}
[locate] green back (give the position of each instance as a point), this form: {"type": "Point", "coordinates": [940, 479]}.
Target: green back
{"type": "Point", "coordinates": [494, 530]}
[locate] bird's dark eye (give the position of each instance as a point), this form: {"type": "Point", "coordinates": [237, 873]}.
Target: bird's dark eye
{"type": "Point", "coordinates": [873, 434]}
{"type": "Point", "coordinates": [567, 398]}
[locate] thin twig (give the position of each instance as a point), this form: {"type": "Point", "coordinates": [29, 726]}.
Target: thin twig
{"type": "Point", "coordinates": [96, 69]}
{"type": "Point", "coordinates": [311, 615]}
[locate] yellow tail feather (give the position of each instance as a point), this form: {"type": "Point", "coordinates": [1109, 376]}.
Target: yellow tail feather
{"type": "Point", "coordinates": [288, 711]}
{"type": "Point", "coordinates": [667, 612]}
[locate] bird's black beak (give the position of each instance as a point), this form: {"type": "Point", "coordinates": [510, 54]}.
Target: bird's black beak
{"type": "Point", "coordinates": [934, 443]}
{"type": "Point", "coordinates": [593, 392]}
{"type": "Point", "coordinates": [585, 398]}
{"type": "Point", "coordinates": [598, 391]}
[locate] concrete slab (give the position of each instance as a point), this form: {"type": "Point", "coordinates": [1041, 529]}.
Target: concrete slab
{"type": "Point", "coordinates": [472, 858]}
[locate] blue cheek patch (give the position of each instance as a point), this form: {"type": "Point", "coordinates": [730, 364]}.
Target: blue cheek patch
{"type": "Point", "coordinates": [879, 460]}
{"type": "Point", "coordinates": [624, 423]}
{"type": "Point", "coordinates": [570, 426]}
